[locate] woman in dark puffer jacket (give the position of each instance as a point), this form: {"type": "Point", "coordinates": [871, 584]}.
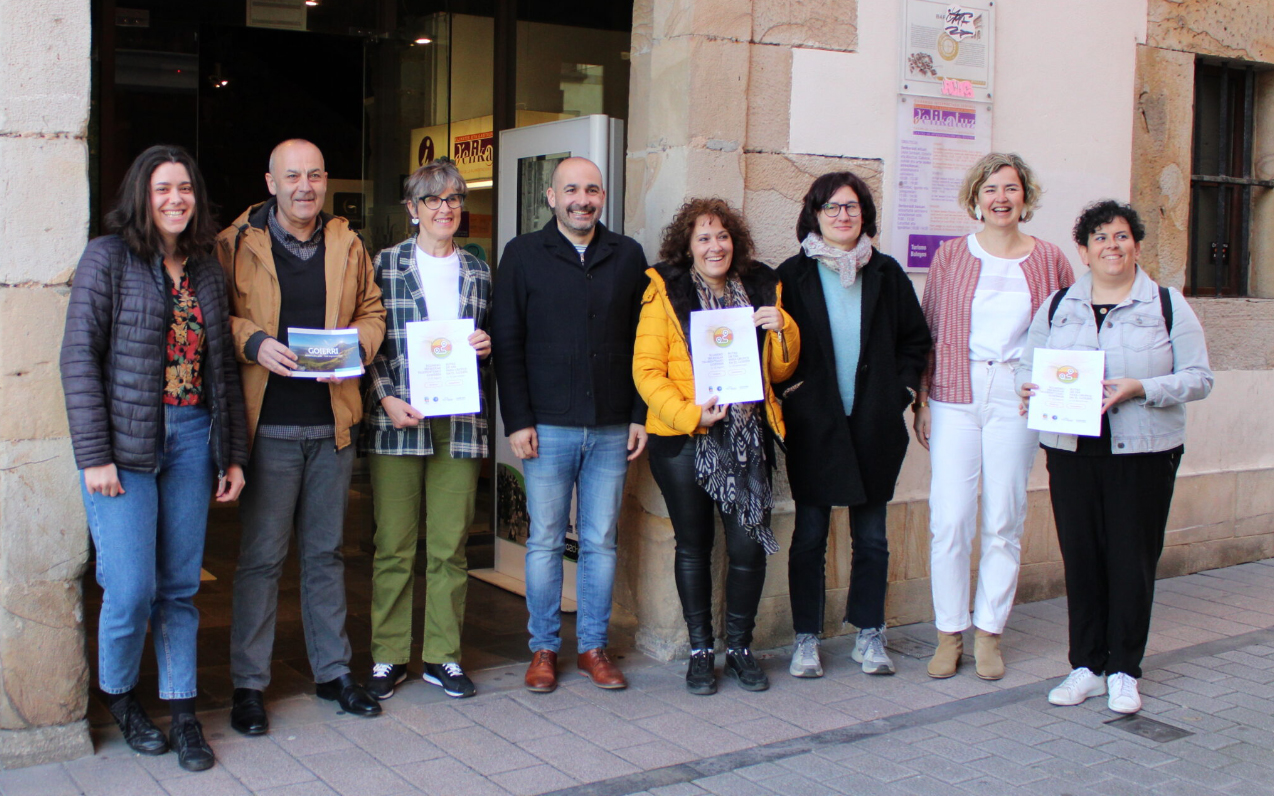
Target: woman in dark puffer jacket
{"type": "Point", "coordinates": [157, 421]}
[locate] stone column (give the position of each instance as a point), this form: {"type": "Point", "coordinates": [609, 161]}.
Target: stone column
{"type": "Point", "coordinates": [44, 203]}
{"type": "Point", "coordinates": [709, 115]}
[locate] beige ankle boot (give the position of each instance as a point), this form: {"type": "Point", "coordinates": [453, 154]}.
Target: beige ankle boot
{"type": "Point", "coordinates": [947, 657]}
{"type": "Point", "coordinates": [986, 655]}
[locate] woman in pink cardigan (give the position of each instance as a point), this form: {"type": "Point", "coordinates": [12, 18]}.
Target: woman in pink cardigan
{"type": "Point", "coordinates": [979, 299]}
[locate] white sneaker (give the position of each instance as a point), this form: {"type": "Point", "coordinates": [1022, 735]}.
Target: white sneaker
{"type": "Point", "coordinates": [805, 661]}
{"type": "Point", "coordinates": [1078, 686]}
{"type": "Point", "coordinates": [869, 650]}
{"type": "Point", "coordinates": [1123, 693]}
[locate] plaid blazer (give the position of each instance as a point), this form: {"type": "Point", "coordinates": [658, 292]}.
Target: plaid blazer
{"type": "Point", "coordinates": [404, 298]}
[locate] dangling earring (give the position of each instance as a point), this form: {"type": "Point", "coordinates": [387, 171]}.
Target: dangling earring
{"type": "Point", "coordinates": [415, 221]}
{"type": "Point", "coordinates": [977, 211]}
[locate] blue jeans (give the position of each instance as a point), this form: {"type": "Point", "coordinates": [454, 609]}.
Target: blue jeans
{"type": "Point", "coordinates": [595, 459]}
{"type": "Point", "coordinates": [149, 544]}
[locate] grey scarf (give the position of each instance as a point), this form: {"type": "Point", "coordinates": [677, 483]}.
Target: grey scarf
{"type": "Point", "coordinates": [845, 263]}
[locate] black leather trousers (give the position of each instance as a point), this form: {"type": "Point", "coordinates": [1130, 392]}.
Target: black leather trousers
{"type": "Point", "coordinates": [690, 510]}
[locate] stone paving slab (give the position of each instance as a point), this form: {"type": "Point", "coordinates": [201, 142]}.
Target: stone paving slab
{"type": "Point", "coordinates": [1212, 675]}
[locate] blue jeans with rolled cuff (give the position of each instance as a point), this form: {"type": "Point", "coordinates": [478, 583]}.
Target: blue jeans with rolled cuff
{"type": "Point", "coordinates": [149, 542]}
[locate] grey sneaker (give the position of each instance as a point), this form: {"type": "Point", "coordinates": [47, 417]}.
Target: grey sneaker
{"type": "Point", "coordinates": [805, 662]}
{"type": "Point", "coordinates": [869, 650]}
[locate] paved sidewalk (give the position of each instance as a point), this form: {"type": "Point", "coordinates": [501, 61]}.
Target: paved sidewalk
{"type": "Point", "coordinates": [1207, 726]}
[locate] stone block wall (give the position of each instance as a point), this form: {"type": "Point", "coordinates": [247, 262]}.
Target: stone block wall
{"type": "Point", "coordinates": [710, 115]}
{"type": "Point", "coordinates": [711, 112]}
{"type": "Point", "coordinates": [44, 96]}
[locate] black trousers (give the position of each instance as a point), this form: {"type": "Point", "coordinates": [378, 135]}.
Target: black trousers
{"type": "Point", "coordinates": [868, 572]}
{"type": "Point", "coordinates": [691, 509]}
{"type": "Point", "coordinates": [1111, 514]}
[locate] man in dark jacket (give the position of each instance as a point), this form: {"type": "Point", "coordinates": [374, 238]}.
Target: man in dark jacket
{"type": "Point", "coordinates": [289, 264]}
{"type": "Point", "coordinates": [568, 299]}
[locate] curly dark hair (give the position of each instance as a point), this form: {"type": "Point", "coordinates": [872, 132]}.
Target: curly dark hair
{"type": "Point", "coordinates": [1104, 212]}
{"type": "Point", "coordinates": [674, 248]}
{"type": "Point", "coordinates": [131, 216]}
{"type": "Point", "coordinates": [820, 193]}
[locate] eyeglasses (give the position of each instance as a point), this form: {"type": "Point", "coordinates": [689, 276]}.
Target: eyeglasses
{"type": "Point", "coordinates": [432, 202]}
{"type": "Point", "coordinates": [832, 209]}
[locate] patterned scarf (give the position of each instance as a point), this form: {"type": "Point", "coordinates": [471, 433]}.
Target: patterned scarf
{"type": "Point", "coordinates": [730, 458]}
{"type": "Point", "coordinates": [845, 263]}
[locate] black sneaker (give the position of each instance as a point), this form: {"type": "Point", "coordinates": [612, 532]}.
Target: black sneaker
{"type": "Point", "coordinates": [385, 677]}
{"type": "Point", "coordinates": [193, 752]}
{"type": "Point", "coordinates": [740, 665]}
{"type": "Point", "coordinates": [701, 677]}
{"type": "Point", "coordinates": [140, 733]}
{"type": "Point", "coordinates": [451, 678]}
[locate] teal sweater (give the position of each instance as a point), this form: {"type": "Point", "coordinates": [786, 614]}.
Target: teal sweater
{"type": "Point", "coordinates": [845, 311]}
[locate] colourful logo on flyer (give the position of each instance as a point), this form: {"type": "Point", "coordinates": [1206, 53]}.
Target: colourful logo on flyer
{"type": "Point", "coordinates": [1067, 374]}
{"type": "Point", "coordinates": [441, 348]}
{"type": "Point", "coordinates": [723, 337]}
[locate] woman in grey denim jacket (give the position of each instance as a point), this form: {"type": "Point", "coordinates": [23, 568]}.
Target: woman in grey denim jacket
{"type": "Point", "coordinates": [1111, 493]}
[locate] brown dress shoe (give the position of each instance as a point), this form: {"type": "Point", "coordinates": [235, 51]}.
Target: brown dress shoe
{"type": "Point", "coordinates": [597, 667]}
{"type": "Point", "coordinates": [541, 675]}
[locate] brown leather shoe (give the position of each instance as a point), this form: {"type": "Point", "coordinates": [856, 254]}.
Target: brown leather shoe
{"type": "Point", "coordinates": [541, 675]}
{"type": "Point", "coordinates": [597, 667]}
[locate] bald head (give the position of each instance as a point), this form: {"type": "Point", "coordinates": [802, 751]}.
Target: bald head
{"type": "Point", "coordinates": [292, 145]}
{"type": "Point", "coordinates": [577, 197]}
{"type": "Point", "coordinates": [298, 180]}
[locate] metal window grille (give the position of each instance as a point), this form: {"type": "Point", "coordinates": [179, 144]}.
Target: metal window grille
{"type": "Point", "coordinates": [1221, 179]}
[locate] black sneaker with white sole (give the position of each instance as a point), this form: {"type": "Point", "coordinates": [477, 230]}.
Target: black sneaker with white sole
{"type": "Point", "coordinates": [385, 677]}
{"type": "Point", "coordinates": [450, 678]}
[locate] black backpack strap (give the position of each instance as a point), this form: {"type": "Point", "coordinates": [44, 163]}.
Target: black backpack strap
{"type": "Point", "coordinates": [1165, 306]}
{"type": "Point", "coordinates": [1057, 299]}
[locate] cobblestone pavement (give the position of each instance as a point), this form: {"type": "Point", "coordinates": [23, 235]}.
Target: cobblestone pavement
{"type": "Point", "coordinates": [1207, 726]}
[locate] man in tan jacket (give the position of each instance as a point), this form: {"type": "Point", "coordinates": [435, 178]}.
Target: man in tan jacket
{"type": "Point", "coordinates": [289, 264]}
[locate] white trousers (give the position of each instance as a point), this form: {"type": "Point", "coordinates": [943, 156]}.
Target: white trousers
{"type": "Point", "coordinates": [989, 439]}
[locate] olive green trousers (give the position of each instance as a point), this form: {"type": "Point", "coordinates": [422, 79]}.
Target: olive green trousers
{"type": "Point", "coordinates": [449, 487]}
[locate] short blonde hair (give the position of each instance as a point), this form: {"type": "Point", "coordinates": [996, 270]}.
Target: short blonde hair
{"type": "Point", "coordinates": [990, 164]}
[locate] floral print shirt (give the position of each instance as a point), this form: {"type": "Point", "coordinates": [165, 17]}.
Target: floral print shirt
{"type": "Point", "coordinates": [183, 375]}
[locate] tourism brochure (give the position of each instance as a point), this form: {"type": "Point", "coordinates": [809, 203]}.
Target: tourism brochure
{"type": "Point", "coordinates": [325, 352]}
{"type": "Point", "coordinates": [442, 368]}
{"type": "Point", "coordinates": [1069, 395]}
{"type": "Point", "coordinates": [725, 357]}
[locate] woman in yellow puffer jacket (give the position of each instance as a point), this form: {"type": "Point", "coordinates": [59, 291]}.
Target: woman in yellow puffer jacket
{"type": "Point", "coordinates": [705, 456]}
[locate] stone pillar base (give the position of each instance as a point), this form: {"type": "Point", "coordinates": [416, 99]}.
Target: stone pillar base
{"type": "Point", "coordinates": [20, 748]}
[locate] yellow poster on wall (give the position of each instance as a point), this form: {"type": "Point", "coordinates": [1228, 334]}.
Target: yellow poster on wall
{"type": "Point", "coordinates": [469, 142]}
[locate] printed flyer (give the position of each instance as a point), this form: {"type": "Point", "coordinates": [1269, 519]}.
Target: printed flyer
{"type": "Point", "coordinates": [1069, 397]}
{"type": "Point", "coordinates": [724, 356]}
{"type": "Point", "coordinates": [442, 368]}
{"type": "Point", "coordinates": [325, 352]}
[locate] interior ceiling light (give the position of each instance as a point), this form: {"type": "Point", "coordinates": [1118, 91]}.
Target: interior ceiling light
{"type": "Point", "coordinates": [424, 40]}
{"type": "Point", "coordinates": [311, 3]}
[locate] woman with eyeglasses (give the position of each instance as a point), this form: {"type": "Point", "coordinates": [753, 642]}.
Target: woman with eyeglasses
{"type": "Point", "coordinates": [980, 296]}
{"type": "Point", "coordinates": [865, 343]}
{"type": "Point", "coordinates": [426, 277]}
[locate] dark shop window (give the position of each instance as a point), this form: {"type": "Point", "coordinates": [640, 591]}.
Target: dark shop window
{"type": "Point", "coordinates": [1221, 179]}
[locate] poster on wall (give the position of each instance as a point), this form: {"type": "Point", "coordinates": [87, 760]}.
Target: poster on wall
{"type": "Point", "coordinates": [947, 49]}
{"type": "Point", "coordinates": [938, 140]}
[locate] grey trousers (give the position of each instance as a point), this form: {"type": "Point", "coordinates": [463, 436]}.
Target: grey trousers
{"type": "Point", "coordinates": [306, 483]}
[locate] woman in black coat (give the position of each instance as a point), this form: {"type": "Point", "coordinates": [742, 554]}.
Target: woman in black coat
{"type": "Point", "coordinates": [157, 423]}
{"type": "Point", "coordinates": [865, 344]}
